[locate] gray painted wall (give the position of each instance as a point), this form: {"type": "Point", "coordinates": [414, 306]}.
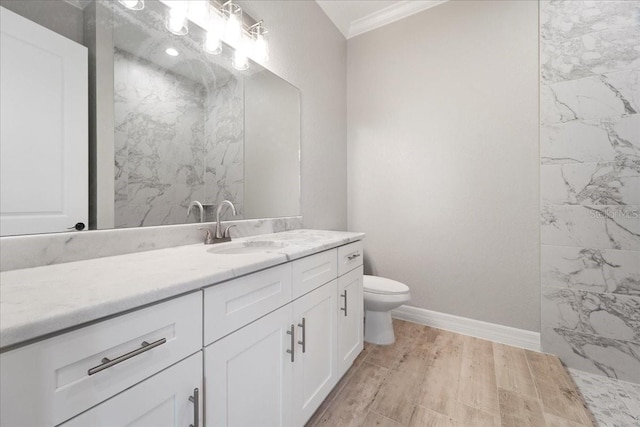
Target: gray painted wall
{"type": "Point", "coordinates": [55, 15]}
{"type": "Point", "coordinates": [442, 157]}
{"type": "Point", "coordinates": [308, 51]}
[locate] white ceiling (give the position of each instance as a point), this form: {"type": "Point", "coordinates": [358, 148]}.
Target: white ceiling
{"type": "Point", "coordinates": [354, 17]}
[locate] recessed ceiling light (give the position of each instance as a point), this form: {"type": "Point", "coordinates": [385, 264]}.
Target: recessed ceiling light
{"type": "Point", "coordinates": [172, 52]}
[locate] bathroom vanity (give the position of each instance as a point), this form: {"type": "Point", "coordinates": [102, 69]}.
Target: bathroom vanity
{"type": "Point", "coordinates": [253, 332]}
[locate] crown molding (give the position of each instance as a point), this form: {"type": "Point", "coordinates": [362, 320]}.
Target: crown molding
{"type": "Point", "coordinates": [390, 14]}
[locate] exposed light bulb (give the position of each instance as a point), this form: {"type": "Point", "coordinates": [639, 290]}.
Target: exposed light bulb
{"type": "Point", "coordinates": [232, 14]}
{"type": "Point", "coordinates": [212, 42]}
{"type": "Point", "coordinates": [260, 49]}
{"type": "Point", "coordinates": [176, 21]}
{"type": "Point", "coordinates": [240, 59]}
{"type": "Point", "coordinates": [132, 4]}
{"type": "Point", "coordinates": [233, 30]}
{"type": "Point", "coordinates": [171, 52]}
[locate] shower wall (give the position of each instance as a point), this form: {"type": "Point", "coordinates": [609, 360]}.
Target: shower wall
{"type": "Point", "coordinates": [590, 184]}
{"type": "Point", "coordinates": [176, 140]}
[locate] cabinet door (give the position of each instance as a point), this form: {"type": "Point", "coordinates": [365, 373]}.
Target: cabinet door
{"type": "Point", "coordinates": [248, 374]}
{"type": "Point", "coordinates": [350, 319]}
{"type": "Point", "coordinates": [168, 399]}
{"type": "Point", "coordinates": [315, 370]}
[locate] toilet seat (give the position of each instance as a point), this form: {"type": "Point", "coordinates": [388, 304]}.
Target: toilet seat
{"type": "Point", "coordinates": [384, 286]}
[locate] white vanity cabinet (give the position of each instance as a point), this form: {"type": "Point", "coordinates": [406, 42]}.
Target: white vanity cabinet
{"type": "Point", "coordinates": [171, 398]}
{"type": "Point", "coordinates": [53, 380]}
{"type": "Point", "coordinates": [264, 349]}
{"type": "Point", "coordinates": [277, 370]}
{"type": "Point", "coordinates": [350, 319]}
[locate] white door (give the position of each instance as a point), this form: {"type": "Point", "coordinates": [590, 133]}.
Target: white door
{"type": "Point", "coordinates": [350, 319]}
{"type": "Point", "coordinates": [248, 375]}
{"type": "Point", "coordinates": [315, 370]}
{"type": "Point", "coordinates": [43, 129]}
{"type": "Point", "coordinates": [167, 399]}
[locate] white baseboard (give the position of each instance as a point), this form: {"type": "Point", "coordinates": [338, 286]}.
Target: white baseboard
{"type": "Point", "coordinates": [475, 328]}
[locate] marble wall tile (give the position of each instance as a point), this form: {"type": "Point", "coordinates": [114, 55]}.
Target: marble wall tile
{"type": "Point", "coordinates": [224, 147]}
{"type": "Point", "coordinates": [592, 353]}
{"type": "Point", "coordinates": [612, 402]}
{"type": "Point", "coordinates": [605, 315]}
{"type": "Point", "coordinates": [616, 183]}
{"type": "Point", "coordinates": [596, 270]}
{"type": "Point", "coordinates": [591, 141]}
{"type": "Point", "coordinates": [601, 227]}
{"type": "Point", "coordinates": [585, 38]}
{"type": "Point", "coordinates": [159, 143]}
{"type": "Point", "coordinates": [574, 18]}
{"type": "Point", "coordinates": [589, 183]}
{"type": "Point", "coordinates": [589, 55]}
{"type": "Point", "coordinates": [55, 248]}
{"type": "Point", "coordinates": [599, 97]}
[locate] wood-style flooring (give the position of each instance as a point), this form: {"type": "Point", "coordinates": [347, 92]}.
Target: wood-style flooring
{"type": "Point", "coordinates": [432, 377]}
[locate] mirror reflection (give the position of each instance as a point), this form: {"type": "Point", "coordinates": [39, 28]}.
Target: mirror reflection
{"type": "Point", "coordinates": [188, 129]}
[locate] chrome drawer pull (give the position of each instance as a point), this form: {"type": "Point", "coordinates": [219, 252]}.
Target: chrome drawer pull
{"type": "Point", "coordinates": [107, 363]}
{"type": "Point", "coordinates": [292, 351]}
{"type": "Point", "coordinates": [303, 343]}
{"type": "Point", "coordinates": [353, 256]}
{"type": "Point", "coordinates": [345, 302]}
{"type": "Point", "coordinates": [196, 407]}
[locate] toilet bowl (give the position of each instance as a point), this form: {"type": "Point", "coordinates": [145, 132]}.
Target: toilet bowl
{"type": "Point", "coordinates": [381, 295]}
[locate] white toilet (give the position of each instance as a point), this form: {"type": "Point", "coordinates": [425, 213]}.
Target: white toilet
{"type": "Point", "coordinates": [380, 297]}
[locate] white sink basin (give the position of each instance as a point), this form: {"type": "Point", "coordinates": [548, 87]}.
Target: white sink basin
{"type": "Point", "coordinates": [241, 248]}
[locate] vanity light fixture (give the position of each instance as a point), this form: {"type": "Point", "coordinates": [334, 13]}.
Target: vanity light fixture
{"type": "Point", "coordinates": [260, 46]}
{"type": "Point", "coordinates": [132, 4]}
{"type": "Point", "coordinates": [240, 59]}
{"type": "Point", "coordinates": [171, 52]}
{"type": "Point", "coordinates": [221, 22]}
{"type": "Point", "coordinates": [176, 18]}
{"type": "Point", "coordinates": [232, 14]}
{"type": "Point", "coordinates": [213, 37]}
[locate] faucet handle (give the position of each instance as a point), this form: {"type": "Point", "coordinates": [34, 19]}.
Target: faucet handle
{"type": "Point", "coordinates": [208, 238]}
{"type": "Point", "coordinates": [226, 231]}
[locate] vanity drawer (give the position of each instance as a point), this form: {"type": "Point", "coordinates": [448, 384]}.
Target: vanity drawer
{"type": "Point", "coordinates": [231, 305]}
{"type": "Point", "coordinates": [53, 380]}
{"type": "Point", "coordinates": [349, 257]}
{"type": "Point", "coordinates": [313, 271]}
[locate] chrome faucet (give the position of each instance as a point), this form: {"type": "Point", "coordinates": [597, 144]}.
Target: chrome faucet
{"type": "Point", "coordinates": [224, 235]}
{"type": "Point", "coordinates": [199, 206]}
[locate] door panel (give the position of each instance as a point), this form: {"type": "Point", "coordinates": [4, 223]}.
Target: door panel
{"type": "Point", "coordinates": [43, 129]}
{"type": "Point", "coordinates": [248, 375]}
{"type": "Point", "coordinates": [315, 370]}
{"type": "Point", "coordinates": [350, 319]}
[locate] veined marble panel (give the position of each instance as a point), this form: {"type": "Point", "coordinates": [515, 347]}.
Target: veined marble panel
{"type": "Point", "coordinates": [601, 227]}
{"type": "Point", "coordinates": [55, 248]}
{"type": "Point", "coordinates": [589, 55]}
{"type": "Point", "coordinates": [224, 146]}
{"type": "Point", "coordinates": [159, 143]}
{"type": "Point", "coordinates": [605, 315]}
{"type": "Point", "coordinates": [585, 38]}
{"type": "Point", "coordinates": [568, 19]}
{"type": "Point", "coordinates": [599, 97]}
{"type": "Point", "coordinates": [596, 270]}
{"type": "Point", "coordinates": [615, 183]}
{"type": "Point", "coordinates": [592, 353]}
{"type": "Point", "coordinates": [579, 141]}
{"type": "Point", "coordinates": [612, 402]}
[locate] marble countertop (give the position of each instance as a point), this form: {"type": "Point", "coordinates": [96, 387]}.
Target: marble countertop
{"type": "Point", "coordinates": [42, 300]}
